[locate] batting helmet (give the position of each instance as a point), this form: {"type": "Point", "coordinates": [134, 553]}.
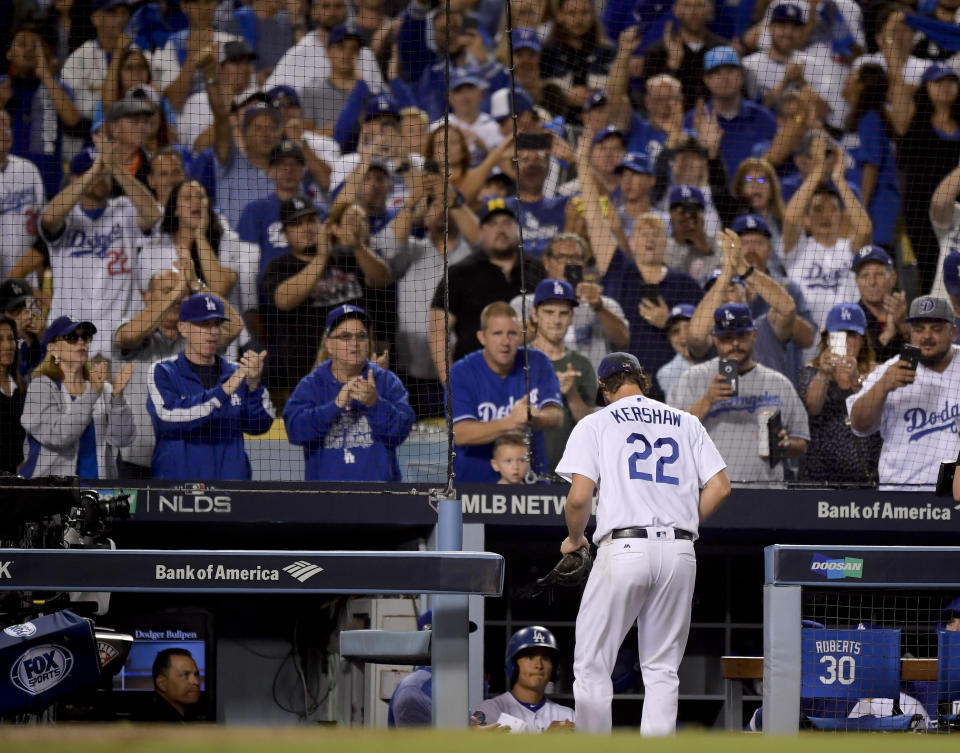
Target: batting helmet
{"type": "Point", "coordinates": [534, 636]}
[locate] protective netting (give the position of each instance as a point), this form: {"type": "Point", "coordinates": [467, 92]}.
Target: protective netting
{"type": "Point", "coordinates": [880, 659]}
{"type": "Point", "coordinates": [414, 228]}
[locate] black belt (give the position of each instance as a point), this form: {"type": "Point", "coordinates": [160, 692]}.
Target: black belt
{"type": "Point", "coordinates": [641, 533]}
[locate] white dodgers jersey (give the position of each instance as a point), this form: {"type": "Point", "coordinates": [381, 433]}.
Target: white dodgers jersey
{"type": "Point", "coordinates": [649, 460]}
{"type": "Point", "coordinates": [507, 711]}
{"type": "Point", "coordinates": [21, 201]}
{"type": "Point", "coordinates": [93, 262]}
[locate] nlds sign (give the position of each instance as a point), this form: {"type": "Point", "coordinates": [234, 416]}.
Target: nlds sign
{"type": "Point", "coordinates": [41, 668]}
{"type": "Point", "coordinates": [194, 503]}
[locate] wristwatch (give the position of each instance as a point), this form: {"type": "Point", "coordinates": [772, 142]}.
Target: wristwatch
{"type": "Point", "coordinates": [458, 199]}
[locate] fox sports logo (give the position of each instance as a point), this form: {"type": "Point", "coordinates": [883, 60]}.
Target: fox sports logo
{"type": "Point", "coordinates": [41, 668]}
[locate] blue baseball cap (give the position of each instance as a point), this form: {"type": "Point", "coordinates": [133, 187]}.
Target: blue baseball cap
{"type": "Point", "coordinates": [597, 98]}
{"type": "Point", "coordinates": [680, 311]}
{"type": "Point", "coordinates": [715, 275]}
{"type": "Point", "coordinates": [491, 207]}
{"type": "Point", "coordinates": [500, 103]}
{"type": "Point", "coordinates": [83, 160]}
{"type": "Point", "coordinates": [751, 223]}
{"type": "Point", "coordinates": [732, 319]}
{"type": "Point", "coordinates": [847, 317]}
{"type": "Point", "coordinates": [554, 290]}
{"type": "Point", "coordinates": [467, 78]}
{"type": "Point", "coordinates": [938, 71]}
{"type": "Point", "coordinates": [526, 38]}
{"type": "Point", "coordinates": [344, 31]}
{"type": "Point", "coordinates": [871, 254]}
{"type": "Point", "coordinates": [279, 94]}
{"type": "Point", "coordinates": [951, 272]}
{"type": "Point", "coordinates": [638, 162]}
{"type": "Point", "coordinates": [686, 194]}
{"type": "Point", "coordinates": [720, 56]}
{"type": "Point", "coordinates": [63, 326]}
{"type": "Point", "coordinates": [425, 620]}
{"type": "Point", "coordinates": [607, 132]}
{"type": "Point", "coordinates": [614, 363]}
{"type": "Point", "coordinates": [787, 13]}
{"type": "Point", "coordinates": [346, 311]}
{"type": "Point", "coordinates": [381, 106]}
{"type": "Point", "coordinates": [201, 307]}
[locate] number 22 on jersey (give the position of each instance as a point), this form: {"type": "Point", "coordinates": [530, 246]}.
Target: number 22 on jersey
{"type": "Point", "coordinates": [668, 452]}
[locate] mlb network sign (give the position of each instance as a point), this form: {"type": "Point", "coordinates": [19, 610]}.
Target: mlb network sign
{"type": "Point", "coordinates": [834, 569]}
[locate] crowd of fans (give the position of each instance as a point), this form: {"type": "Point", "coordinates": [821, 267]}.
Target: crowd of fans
{"type": "Point", "coordinates": [216, 214]}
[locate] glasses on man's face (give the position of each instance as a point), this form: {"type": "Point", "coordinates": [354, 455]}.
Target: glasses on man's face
{"type": "Point", "coordinates": [568, 258]}
{"type": "Point", "coordinates": [754, 179]}
{"type": "Point", "coordinates": [345, 337]}
{"type": "Point", "coordinates": [74, 337]}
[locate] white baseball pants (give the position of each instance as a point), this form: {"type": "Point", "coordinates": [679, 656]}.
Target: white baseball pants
{"type": "Point", "coordinates": [649, 581]}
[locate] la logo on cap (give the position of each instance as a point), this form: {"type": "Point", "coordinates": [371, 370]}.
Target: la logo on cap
{"type": "Point", "coordinates": [685, 192]}
{"type": "Point", "coordinates": [211, 304]}
{"type": "Point", "coordinates": [751, 222]}
{"type": "Point", "coordinates": [844, 313]}
{"type": "Point", "coordinates": [728, 315]}
{"type": "Point", "coordinates": [557, 288]}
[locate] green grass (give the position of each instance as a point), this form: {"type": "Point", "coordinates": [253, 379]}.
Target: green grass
{"type": "Point", "coordinates": [126, 738]}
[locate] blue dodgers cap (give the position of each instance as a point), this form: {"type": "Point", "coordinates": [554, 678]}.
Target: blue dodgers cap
{"type": "Point", "coordinates": [638, 162]}
{"type": "Point", "coordinates": [201, 307]}
{"type": "Point", "coordinates": [83, 160]}
{"type": "Point", "coordinates": [686, 194]}
{"type": "Point", "coordinates": [493, 206]}
{"type": "Point", "coordinates": [425, 620]}
{"type": "Point", "coordinates": [343, 31]}
{"type": "Point", "coordinates": [951, 272]}
{"type": "Point", "coordinates": [715, 275]}
{"type": "Point", "coordinates": [554, 290]}
{"type": "Point", "coordinates": [63, 326]}
{"type": "Point", "coordinates": [605, 133]}
{"type": "Point", "coordinates": [283, 94]}
{"type": "Point", "coordinates": [930, 307]}
{"type": "Point", "coordinates": [381, 106]}
{"type": "Point", "coordinates": [500, 103]}
{"type": "Point", "coordinates": [680, 311]}
{"type": "Point", "coordinates": [255, 111]}
{"type": "Point", "coordinates": [597, 98]}
{"type": "Point", "coordinates": [526, 38]}
{"type": "Point", "coordinates": [847, 317]}
{"type": "Point", "coordinates": [787, 13]}
{"type": "Point", "coordinates": [732, 319]}
{"type": "Point", "coordinates": [751, 223]}
{"type": "Point", "coordinates": [614, 363]}
{"type": "Point", "coordinates": [720, 56]}
{"type": "Point", "coordinates": [346, 311]}
{"type": "Point", "coordinates": [467, 78]}
{"type": "Point", "coordinates": [871, 254]}
{"type": "Point", "coordinates": [938, 71]}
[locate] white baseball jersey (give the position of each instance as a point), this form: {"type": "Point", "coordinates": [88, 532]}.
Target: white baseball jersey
{"type": "Point", "coordinates": [918, 425]}
{"type": "Point", "coordinates": [93, 261]}
{"type": "Point", "coordinates": [21, 201]}
{"type": "Point", "coordinates": [649, 460]}
{"type": "Point", "coordinates": [507, 711]}
{"type": "Point", "coordinates": [824, 275]}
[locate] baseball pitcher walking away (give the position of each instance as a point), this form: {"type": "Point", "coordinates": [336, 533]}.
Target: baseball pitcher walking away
{"type": "Point", "coordinates": [659, 474]}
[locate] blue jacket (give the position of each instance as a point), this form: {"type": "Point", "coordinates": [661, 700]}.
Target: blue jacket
{"type": "Point", "coordinates": [199, 431]}
{"type": "Point", "coordinates": [356, 444]}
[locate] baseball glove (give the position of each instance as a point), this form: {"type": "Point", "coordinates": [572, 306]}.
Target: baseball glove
{"type": "Point", "coordinates": [572, 570]}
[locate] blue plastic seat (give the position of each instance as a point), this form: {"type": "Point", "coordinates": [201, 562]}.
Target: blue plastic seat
{"type": "Point", "coordinates": [948, 675]}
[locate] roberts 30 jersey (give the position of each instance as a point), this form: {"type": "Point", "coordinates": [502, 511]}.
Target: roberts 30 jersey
{"type": "Point", "coordinates": [649, 460]}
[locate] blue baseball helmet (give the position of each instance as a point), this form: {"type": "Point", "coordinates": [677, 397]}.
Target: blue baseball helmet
{"type": "Point", "coordinates": [534, 636]}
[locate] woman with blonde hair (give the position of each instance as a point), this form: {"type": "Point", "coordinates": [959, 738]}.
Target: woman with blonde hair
{"type": "Point", "coordinates": [349, 414]}
{"type": "Point", "coordinates": [757, 187]}
{"type": "Point", "coordinates": [74, 417]}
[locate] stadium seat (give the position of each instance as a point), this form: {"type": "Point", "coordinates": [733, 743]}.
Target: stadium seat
{"type": "Point", "coordinates": [948, 676]}
{"type": "Point", "coordinates": [840, 667]}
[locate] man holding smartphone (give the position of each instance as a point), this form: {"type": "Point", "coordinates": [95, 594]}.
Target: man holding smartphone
{"type": "Point", "coordinates": [913, 400]}
{"type": "Point", "coordinates": [731, 414]}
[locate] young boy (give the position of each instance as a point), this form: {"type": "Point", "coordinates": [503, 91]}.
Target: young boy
{"type": "Point", "coordinates": [510, 458]}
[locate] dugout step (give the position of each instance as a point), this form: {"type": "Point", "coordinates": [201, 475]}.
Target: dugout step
{"type": "Point", "coordinates": [386, 646]}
